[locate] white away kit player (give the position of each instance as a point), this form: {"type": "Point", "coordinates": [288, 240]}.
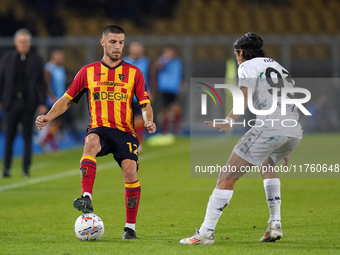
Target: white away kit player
{"type": "Point", "coordinates": [263, 146]}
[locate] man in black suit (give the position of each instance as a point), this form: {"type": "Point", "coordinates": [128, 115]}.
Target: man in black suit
{"type": "Point", "coordinates": [22, 92]}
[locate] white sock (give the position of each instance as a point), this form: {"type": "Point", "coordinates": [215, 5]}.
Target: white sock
{"type": "Point", "coordinates": [217, 201]}
{"type": "Point", "coordinates": [273, 195]}
{"type": "Point", "coordinates": [87, 194]}
{"type": "Point", "coordinates": [130, 225]}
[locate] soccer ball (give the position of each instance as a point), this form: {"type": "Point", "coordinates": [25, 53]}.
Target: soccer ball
{"type": "Point", "coordinates": [89, 227]}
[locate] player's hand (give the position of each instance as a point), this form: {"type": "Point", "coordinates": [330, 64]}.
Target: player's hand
{"type": "Point", "coordinates": [285, 160]}
{"type": "Point", "coordinates": [150, 126]}
{"type": "Point", "coordinates": [221, 127]}
{"type": "Point", "coordinates": [41, 121]}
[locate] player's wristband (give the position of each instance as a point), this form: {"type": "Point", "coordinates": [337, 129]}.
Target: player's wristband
{"type": "Point", "coordinates": [229, 120]}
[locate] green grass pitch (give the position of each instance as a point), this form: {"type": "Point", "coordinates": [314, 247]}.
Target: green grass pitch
{"type": "Point", "coordinates": [37, 215]}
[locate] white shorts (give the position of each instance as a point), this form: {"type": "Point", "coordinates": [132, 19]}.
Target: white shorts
{"type": "Point", "coordinates": [256, 146]}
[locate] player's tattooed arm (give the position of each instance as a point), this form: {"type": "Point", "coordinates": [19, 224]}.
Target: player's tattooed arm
{"type": "Point", "coordinates": [147, 114]}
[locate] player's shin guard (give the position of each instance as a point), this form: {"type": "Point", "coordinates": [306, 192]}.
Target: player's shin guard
{"type": "Point", "coordinates": [88, 166]}
{"type": "Point", "coordinates": [218, 200]}
{"type": "Point", "coordinates": [132, 196]}
{"type": "Point", "coordinates": [273, 195]}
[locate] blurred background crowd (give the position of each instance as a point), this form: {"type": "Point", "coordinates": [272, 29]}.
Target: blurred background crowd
{"type": "Point", "coordinates": [171, 17]}
{"type": "Point", "coordinates": [303, 35]}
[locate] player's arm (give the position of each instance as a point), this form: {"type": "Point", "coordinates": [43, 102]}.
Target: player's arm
{"type": "Point", "coordinates": [231, 116]}
{"type": "Point", "coordinates": [73, 94]}
{"type": "Point", "coordinates": [58, 108]}
{"type": "Point", "coordinates": [147, 114]}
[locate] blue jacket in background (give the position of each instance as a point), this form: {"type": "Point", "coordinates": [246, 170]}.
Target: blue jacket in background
{"type": "Point", "coordinates": [58, 79]}
{"type": "Point", "coordinates": [169, 78]}
{"type": "Point", "coordinates": [143, 65]}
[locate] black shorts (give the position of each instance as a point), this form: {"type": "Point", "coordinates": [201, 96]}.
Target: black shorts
{"type": "Point", "coordinates": [168, 98]}
{"type": "Point", "coordinates": [121, 144]}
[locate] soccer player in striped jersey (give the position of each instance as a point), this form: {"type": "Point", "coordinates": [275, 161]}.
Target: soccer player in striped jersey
{"type": "Point", "coordinates": [110, 85]}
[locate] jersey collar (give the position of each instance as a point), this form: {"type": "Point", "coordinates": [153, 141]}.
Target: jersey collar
{"type": "Point", "coordinates": [111, 67]}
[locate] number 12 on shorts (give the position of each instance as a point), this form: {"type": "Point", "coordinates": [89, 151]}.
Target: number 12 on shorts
{"type": "Point", "coordinates": [135, 147]}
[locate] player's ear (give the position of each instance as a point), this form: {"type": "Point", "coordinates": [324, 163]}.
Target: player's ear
{"type": "Point", "coordinates": [102, 42]}
{"type": "Point", "coordinates": [240, 53]}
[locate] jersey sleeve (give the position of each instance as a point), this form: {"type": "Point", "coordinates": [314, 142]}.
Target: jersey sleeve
{"type": "Point", "coordinates": [78, 87]}
{"type": "Point", "coordinates": [247, 77]}
{"type": "Point", "coordinates": [141, 91]}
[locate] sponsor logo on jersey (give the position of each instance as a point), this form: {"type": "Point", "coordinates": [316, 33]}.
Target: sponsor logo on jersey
{"type": "Point", "coordinates": [110, 83]}
{"type": "Point", "coordinates": [100, 73]}
{"type": "Point", "coordinates": [110, 96]}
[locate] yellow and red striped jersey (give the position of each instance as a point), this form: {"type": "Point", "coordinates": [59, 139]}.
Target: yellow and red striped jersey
{"type": "Point", "coordinates": [110, 92]}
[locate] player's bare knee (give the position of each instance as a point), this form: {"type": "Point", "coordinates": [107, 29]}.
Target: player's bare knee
{"type": "Point", "coordinates": [92, 145]}
{"type": "Point", "coordinates": [130, 175]}
{"type": "Point", "coordinates": [129, 168]}
{"type": "Point", "coordinates": [131, 172]}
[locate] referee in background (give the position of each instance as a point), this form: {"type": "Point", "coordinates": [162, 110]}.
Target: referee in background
{"type": "Point", "coordinates": [22, 92]}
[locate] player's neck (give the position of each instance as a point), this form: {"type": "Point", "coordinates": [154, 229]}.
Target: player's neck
{"type": "Point", "coordinates": [110, 62]}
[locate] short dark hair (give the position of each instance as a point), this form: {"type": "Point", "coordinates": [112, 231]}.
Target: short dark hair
{"type": "Point", "coordinates": [251, 45]}
{"type": "Point", "coordinates": [114, 29]}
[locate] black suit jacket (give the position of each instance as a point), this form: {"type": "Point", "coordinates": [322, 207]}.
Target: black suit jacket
{"type": "Point", "coordinates": [36, 87]}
